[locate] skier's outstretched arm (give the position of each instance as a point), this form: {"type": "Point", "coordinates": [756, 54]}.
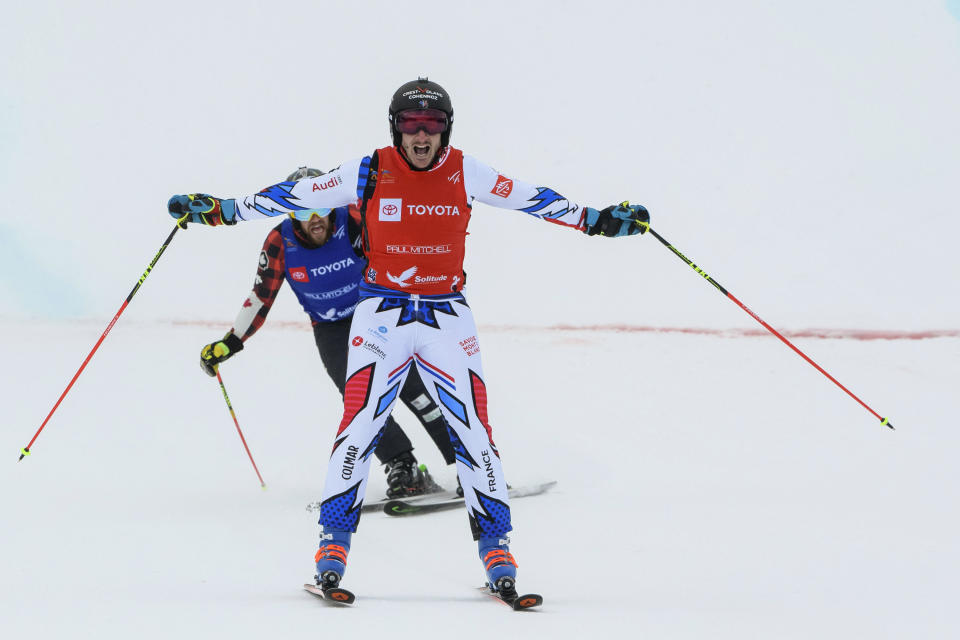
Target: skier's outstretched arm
{"type": "Point", "coordinates": [486, 185]}
{"type": "Point", "coordinates": [340, 187]}
{"type": "Point", "coordinates": [253, 313]}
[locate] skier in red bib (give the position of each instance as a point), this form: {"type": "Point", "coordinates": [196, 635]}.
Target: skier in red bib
{"type": "Point", "coordinates": [415, 200]}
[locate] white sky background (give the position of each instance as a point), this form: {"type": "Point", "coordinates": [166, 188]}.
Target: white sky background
{"type": "Point", "coordinates": [805, 155]}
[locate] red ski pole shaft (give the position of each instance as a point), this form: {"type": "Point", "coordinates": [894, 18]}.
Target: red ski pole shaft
{"type": "Point", "coordinates": [883, 421]}
{"type": "Point", "coordinates": [242, 439]}
{"type": "Point", "coordinates": [26, 450]}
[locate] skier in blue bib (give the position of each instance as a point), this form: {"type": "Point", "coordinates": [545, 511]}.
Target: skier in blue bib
{"type": "Point", "coordinates": [314, 252]}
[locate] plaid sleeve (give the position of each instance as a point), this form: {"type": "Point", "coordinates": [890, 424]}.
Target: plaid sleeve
{"type": "Point", "coordinates": [266, 284]}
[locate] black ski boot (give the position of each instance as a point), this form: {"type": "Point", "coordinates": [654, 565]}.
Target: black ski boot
{"type": "Point", "coordinates": [328, 587]}
{"type": "Point", "coordinates": [505, 590]}
{"type": "Point", "coordinates": [328, 580]}
{"type": "Point", "coordinates": [405, 478]}
{"type": "Point", "coordinates": [506, 587]}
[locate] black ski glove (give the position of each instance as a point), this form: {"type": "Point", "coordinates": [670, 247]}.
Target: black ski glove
{"type": "Point", "coordinates": [216, 352]}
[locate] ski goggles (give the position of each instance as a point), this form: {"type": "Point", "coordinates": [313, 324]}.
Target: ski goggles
{"type": "Point", "coordinates": [306, 215]}
{"type": "Point", "coordinates": [432, 121]}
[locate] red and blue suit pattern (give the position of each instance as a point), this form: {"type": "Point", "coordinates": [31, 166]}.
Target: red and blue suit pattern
{"type": "Point", "coordinates": [412, 313]}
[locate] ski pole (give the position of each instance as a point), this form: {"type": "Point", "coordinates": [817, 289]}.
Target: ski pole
{"type": "Point", "coordinates": [242, 439]}
{"type": "Point", "coordinates": [883, 421]}
{"type": "Point", "coordinates": [26, 450]}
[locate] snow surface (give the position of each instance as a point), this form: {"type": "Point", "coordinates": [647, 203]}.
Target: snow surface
{"type": "Point", "coordinates": [805, 155]}
{"type": "Point", "coordinates": [708, 487]}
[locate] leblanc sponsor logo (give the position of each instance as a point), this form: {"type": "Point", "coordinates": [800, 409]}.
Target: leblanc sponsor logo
{"type": "Point", "coordinates": [419, 249]}
{"type": "Point", "coordinates": [374, 349]}
{"type": "Point", "coordinates": [390, 209]}
{"type": "Point", "coordinates": [357, 341]}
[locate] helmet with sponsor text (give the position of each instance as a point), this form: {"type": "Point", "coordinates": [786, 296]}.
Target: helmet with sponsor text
{"type": "Point", "coordinates": [421, 93]}
{"type": "Point", "coordinates": [304, 172]}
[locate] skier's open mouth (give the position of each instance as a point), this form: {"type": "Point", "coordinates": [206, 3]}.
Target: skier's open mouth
{"type": "Point", "coordinates": [421, 151]}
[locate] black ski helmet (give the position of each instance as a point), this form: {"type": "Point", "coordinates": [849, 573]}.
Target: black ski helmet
{"type": "Point", "coordinates": [420, 94]}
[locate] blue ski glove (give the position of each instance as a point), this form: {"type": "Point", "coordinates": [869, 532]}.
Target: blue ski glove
{"type": "Point", "coordinates": [216, 352]}
{"type": "Point", "coordinates": [202, 209]}
{"type": "Point", "coordinates": [623, 219]}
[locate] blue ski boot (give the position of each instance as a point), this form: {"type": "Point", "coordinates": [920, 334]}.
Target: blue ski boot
{"type": "Point", "coordinates": [499, 564]}
{"type": "Point", "coordinates": [331, 558]}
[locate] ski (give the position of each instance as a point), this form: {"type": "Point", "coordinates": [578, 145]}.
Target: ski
{"type": "Point", "coordinates": [514, 601]}
{"type": "Point", "coordinates": [377, 505]}
{"type": "Point", "coordinates": [423, 506]}
{"type": "Point", "coordinates": [331, 594]}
